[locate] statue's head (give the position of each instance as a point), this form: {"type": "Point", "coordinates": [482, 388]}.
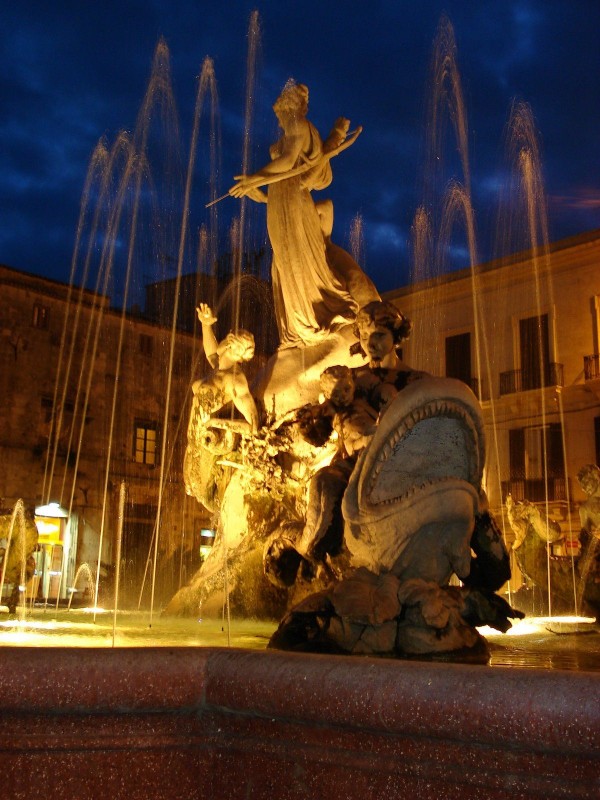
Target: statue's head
{"type": "Point", "coordinates": [293, 100]}
{"type": "Point", "coordinates": [380, 328]}
{"type": "Point", "coordinates": [589, 479]}
{"type": "Point", "coordinates": [238, 345]}
{"type": "Point", "coordinates": [337, 384]}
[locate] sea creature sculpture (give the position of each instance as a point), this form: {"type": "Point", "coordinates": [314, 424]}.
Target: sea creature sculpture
{"type": "Point", "coordinates": [414, 514]}
{"type": "Point", "coordinates": [574, 580]}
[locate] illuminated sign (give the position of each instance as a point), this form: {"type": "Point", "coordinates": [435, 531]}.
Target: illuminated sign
{"type": "Point", "coordinates": [50, 530]}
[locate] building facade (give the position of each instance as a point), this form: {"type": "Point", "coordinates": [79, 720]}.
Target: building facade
{"type": "Point", "coordinates": [523, 332]}
{"type": "Point", "coordinates": [83, 405]}
{"type": "Point", "coordinates": [84, 390]}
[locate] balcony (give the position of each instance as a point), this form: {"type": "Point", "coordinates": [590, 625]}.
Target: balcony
{"type": "Point", "coordinates": [521, 380]}
{"type": "Point", "coordinates": [591, 367]}
{"type": "Point", "coordinates": [534, 489]}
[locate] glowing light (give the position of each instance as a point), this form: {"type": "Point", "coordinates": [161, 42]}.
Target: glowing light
{"type": "Point", "coordinates": [524, 627]}
{"type": "Point", "coordinates": [72, 629]}
{"type": "Point", "coordinates": [45, 527]}
{"type": "Point", "coordinates": [51, 510]}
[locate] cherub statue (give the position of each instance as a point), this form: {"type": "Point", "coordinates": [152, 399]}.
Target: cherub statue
{"type": "Point", "coordinates": [227, 383]}
{"type": "Point", "coordinates": [589, 515]}
{"type": "Point", "coordinates": [526, 518]}
{"type": "Point", "coordinates": [209, 436]}
{"type": "Point", "coordinates": [354, 421]}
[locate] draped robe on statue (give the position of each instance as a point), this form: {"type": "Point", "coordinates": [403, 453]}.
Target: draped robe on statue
{"type": "Point", "coordinates": [310, 302]}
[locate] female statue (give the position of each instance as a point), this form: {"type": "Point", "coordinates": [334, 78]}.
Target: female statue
{"type": "Point", "coordinates": [311, 300]}
{"type": "Point", "coordinates": [380, 329]}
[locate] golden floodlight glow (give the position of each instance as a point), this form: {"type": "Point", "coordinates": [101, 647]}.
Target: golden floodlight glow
{"type": "Point", "coordinates": [529, 625]}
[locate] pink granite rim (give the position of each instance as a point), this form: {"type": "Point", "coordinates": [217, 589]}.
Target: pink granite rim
{"type": "Point", "coordinates": [543, 710]}
{"type": "Point", "coordinates": [102, 679]}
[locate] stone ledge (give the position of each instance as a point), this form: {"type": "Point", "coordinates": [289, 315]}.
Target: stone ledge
{"type": "Point", "coordinates": [455, 701]}
{"type": "Point", "coordinates": [218, 723]}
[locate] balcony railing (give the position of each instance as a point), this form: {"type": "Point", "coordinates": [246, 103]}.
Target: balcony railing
{"type": "Point", "coordinates": [521, 380]}
{"type": "Point", "coordinates": [534, 489]}
{"type": "Point", "coordinates": [591, 367]}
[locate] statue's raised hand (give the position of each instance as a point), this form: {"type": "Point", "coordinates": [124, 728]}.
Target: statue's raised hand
{"type": "Point", "coordinates": [205, 314]}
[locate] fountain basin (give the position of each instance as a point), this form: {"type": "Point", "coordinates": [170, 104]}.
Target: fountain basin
{"type": "Point", "coordinates": [158, 722]}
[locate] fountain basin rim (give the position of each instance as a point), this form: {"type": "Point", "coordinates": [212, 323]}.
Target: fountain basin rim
{"type": "Point", "coordinates": [457, 701]}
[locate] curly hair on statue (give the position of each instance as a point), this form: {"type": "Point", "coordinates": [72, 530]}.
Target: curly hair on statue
{"type": "Point", "coordinates": [293, 99]}
{"type": "Point", "coordinates": [381, 313]}
{"type": "Point", "coordinates": [243, 341]}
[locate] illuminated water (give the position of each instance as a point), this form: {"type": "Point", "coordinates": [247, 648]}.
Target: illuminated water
{"type": "Point", "coordinates": [543, 646]}
{"type": "Point", "coordinates": [533, 643]}
{"type": "Point", "coordinates": [76, 628]}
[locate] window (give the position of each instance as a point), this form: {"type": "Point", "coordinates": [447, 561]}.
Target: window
{"type": "Point", "coordinates": [146, 344]}
{"type": "Point", "coordinates": [536, 463]}
{"type": "Point", "coordinates": [535, 352]}
{"type": "Point", "coordinates": [40, 316]}
{"type": "Point", "coordinates": [535, 452]}
{"type": "Point", "coordinates": [458, 357]}
{"type": "Point", "coordinates": [145, 443]}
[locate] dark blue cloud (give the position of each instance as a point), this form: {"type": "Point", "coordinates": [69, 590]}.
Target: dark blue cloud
{"type": "Point", "coordinates": [72, 72]}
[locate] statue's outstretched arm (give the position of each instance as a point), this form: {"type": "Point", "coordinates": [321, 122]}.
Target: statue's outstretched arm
{"type": "Point", "coordinates": [274, 171]}
{"type": "Point", "coordinates": [207, 320]}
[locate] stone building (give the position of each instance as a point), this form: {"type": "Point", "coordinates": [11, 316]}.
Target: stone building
{"type": "Point", "coordinates": [77, 421]}
{"type": "Point", "coordinates": [524, 333]}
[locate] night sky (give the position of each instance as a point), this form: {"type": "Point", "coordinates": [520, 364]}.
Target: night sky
{"type": "Point", "coordinates": [73, 72]}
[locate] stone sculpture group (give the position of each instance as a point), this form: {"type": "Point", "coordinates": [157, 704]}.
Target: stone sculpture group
{"type": "Point", "coordinates": [545, 557]}
{"type": "Point", "coordinates": [346, 487]}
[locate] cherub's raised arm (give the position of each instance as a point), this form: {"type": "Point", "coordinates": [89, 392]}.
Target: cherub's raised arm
{"type": "Point", "coordinates": [209, 340]}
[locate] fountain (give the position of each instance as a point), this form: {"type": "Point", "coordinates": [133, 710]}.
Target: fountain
{"type": "Point", "coordinates": [18, 541]}
{"type": "Point", "coordinates": [394, 464]}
